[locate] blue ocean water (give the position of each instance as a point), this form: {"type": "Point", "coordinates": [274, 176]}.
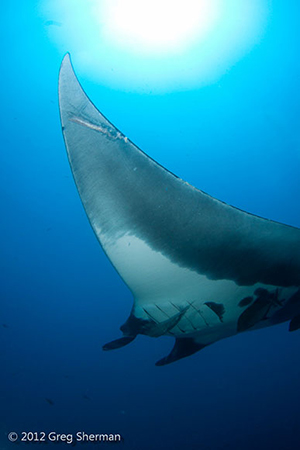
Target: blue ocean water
{"type": "Point", "coordinates": [237, 139]}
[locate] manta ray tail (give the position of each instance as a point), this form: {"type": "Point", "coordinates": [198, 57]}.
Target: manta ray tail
{"type": "Point", "coordinates": [183, 347]}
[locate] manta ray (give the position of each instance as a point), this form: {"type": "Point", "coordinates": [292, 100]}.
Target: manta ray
{"type": "Point", "coordinates": [199, 269]}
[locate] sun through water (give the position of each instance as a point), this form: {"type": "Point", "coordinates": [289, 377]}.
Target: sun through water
{"type": "Point", "coordinates": [163, 45]}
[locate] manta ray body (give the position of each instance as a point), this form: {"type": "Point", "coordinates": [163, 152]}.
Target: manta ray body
{"type": "Point", "coordinates": [199, 269]}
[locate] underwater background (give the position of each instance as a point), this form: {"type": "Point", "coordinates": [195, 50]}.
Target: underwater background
{"type": "Point", "coordinates": [236, 138]}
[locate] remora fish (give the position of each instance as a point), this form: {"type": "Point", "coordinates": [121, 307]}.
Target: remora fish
{"type": "Point", "coordinates": [193, 263]}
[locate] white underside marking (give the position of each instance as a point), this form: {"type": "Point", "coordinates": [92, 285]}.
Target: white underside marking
{"type": "Point", "coordinates": [162, 288]}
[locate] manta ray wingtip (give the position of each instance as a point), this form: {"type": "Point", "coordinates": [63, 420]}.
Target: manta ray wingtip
{"type": "Point", "coordinates": [66, 63]}
{"type": "Point", "coordinates": [66, 58]}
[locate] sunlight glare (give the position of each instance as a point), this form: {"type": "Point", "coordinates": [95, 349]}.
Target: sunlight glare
{"type": "Point", "coordinates": [156, 26]}
{"type": "Point", "coordinates": [158, 45]}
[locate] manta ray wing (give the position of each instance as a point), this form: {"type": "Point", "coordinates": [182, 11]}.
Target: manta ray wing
{"type": "Point", "coordinates": [188, 258]}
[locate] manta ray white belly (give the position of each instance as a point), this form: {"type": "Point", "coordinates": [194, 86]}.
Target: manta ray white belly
{"type": "Point", "coordinates": [162, 289]}
{"type": "Point", "coordinates": [199, 270]}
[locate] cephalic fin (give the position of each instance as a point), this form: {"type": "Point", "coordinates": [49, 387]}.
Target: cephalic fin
{"type": "Point", "coordinates": [295, 323]}
{"type": "Point", "coordinates": [118, 343]}
{"type": "Point", "coordinates": [183, 347]}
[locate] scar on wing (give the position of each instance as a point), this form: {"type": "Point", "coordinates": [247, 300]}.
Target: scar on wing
{"type": "Point", "coordinates": [112, 134]}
